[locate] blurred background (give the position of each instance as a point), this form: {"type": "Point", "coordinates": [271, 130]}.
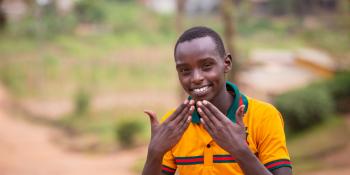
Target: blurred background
{"type": "Point", "coordinates": [76, 75]}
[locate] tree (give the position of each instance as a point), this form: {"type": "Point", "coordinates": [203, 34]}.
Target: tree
{"type": "Point", "coordinates": [180, 9]}
{"type": "Point", "coordinates": [226, 8]}
{"type": "Point", "coordinates": [2, 17]}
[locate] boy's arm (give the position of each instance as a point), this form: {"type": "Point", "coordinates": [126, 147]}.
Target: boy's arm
{"type": "Point", "coordinates": [153, 163]}
{"type": "Point", "coordinates": [164, 136]}
{"type": "Point", "coordinates": [251, 165]}
{"type": "Point", "coordinates": [231, 137]}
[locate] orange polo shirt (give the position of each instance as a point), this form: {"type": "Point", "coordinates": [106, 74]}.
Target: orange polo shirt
{"type": "Point", "coordinates": [197, 153]}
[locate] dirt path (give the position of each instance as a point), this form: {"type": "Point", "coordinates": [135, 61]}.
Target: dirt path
{"type": "Point", "coordinates": [26, 149]}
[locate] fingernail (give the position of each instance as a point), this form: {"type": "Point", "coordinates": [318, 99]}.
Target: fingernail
{"type": "Point", "coordinates": [205, 102]}
{"type": "Point", "coordinates": [199, 103]}
{"type": "Point", "coordinates": [192, 102]}
{"type": "Point", "coordinates": [186, 101]}
{"type": "Point", "coordinates": [199, 110]}
{"type": "Point", "coordinates": [189, 118]}
{"type": "Point", "coordinates": [202, 120]}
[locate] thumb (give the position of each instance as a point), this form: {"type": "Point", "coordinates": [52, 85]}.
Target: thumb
{"type": "Point", "coordinates": [240, 115]}
{"type": "Point", "coordinates": [153, 118]}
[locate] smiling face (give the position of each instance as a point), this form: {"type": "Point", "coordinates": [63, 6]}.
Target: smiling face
{"type": "Point", "coordinates": [200, 68]}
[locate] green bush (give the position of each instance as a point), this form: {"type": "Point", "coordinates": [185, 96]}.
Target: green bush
{"type": "Point", "coordinates": [82, 102]}
{"type": "Point", "coordinates": [339, 88]}
{"type": "Point", "coordinates": [305, 107]}
{"type": "Point", "coordinates": [127, 131]}
{"type": "Point", "coordinates": [90, 11]}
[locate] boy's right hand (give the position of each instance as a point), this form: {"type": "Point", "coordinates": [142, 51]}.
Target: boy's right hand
{"type": "Point", "coordinates": [164, 136]}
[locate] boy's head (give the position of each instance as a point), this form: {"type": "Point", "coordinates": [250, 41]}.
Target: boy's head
{"type": "Point", "coordinates": [199, 32]}
{"type": "Point", "coordinates": [202, 63]}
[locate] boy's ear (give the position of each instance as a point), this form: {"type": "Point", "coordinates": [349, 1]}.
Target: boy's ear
{"type": "Point", "coordinates": [228, 63]}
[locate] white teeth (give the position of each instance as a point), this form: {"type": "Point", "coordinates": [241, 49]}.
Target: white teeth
{"type": "Point", "coordinates": [201, 90]}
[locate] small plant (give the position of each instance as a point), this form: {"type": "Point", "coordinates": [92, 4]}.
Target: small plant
{"type": "Point", "coordinates": [127, 131]}
{"type": "Point", "coordinates": [82, 102]}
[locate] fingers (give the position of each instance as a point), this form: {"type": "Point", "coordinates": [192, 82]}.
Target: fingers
{"type": "Point", "coordinates": [207, 127]}
{"type": "Point", "coordinates": [205, 119]}
{"type": "Point", "coordinates": [177, 111]}
{"type": "Point", "coordinates": [153, 118]}
{"type": "Point", "coordinates": [188, 110]}
{"type": "Point", "coordinates": [216, 112]}
{"type": "Point", "coordinates": [185, 123]}
{"type": "Point", "coordinates": [210, 115]}
{"type": "Point", "coordinates": [240, 115]}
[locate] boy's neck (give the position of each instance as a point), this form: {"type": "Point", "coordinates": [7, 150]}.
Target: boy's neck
{"type": "Point", "coordinates": [223, 101]}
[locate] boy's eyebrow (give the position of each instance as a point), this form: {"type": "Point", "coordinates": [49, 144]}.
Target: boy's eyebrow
{"type": "Point", "coordinates": [181, 64]}
{"type": "Point", "coordinates": [207, 58]}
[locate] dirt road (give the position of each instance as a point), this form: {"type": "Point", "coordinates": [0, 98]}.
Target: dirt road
{"type": "Point", "coordinates": [26, 149]}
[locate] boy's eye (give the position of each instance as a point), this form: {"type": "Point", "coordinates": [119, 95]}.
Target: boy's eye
{"type": "Point", "coordinates": [207, 66]}
{"type": "Point", "coordinates": [184, 70]}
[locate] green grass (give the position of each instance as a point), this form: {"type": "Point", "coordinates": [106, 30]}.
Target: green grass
{"type": "Point", "coordinates": [308, 148]}
{"type": "Point", "coordinates": [79, 61]}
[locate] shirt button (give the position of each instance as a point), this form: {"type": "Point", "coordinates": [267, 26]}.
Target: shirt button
{"type": "Point", "coordinates": [208, 145]}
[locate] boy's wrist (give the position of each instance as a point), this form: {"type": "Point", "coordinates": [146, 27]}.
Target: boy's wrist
{"type": "Point", "coordinates": [241, 153]}
{"type": "Point", "coordinates": [155, 153]}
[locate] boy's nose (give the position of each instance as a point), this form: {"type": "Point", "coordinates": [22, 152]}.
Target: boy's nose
{"type": "Point", "coordinates": [197, 77]}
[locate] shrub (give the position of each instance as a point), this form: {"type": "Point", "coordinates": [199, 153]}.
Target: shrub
{"type": "Point", "coordinates": [90, 11]}
{"type": "Point", "coordinates": [305, 107]}
{"type": "Point", "coordinates": [127, 131]}
{"type": "Point", "coordinates": [339, 88]}
{"type": "Point", "coordinates": [82, 102]}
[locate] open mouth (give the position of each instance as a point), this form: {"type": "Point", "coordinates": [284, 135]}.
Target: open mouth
{"type": "Point", "coordinates": [200, 91]}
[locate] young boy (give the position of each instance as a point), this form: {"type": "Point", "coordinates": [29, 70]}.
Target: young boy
{"type": "Point", "coordinates": [217, 130]}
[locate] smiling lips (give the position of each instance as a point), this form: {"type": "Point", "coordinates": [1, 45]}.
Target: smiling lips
{"type": "Point", "coordinates": [200, 91]}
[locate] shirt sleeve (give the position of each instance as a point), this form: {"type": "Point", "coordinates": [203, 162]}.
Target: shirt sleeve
{"type": "Point", "coordinates": [272, 148]}
{"type": "Point", "coordinates": [168, 163]}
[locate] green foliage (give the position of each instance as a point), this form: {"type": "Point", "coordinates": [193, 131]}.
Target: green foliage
{"type": "Point", "coordinates": [82, 102]}
{"type": "Point", "coordinates": [90, 11]}
{"type": "Point", "coordinates": [305, 107]}
{"type": "Point", "coordinates": [339, 88]}
{"type": "Point", "coordinates": [280, 7]}
{"type": "Point", "coordinates": [43, 22]}
{"type": "Point", "coordinates": [127, 130]}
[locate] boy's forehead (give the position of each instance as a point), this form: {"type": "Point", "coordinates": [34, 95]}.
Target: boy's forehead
{"type": "Point", "coordinates": [198, 46]}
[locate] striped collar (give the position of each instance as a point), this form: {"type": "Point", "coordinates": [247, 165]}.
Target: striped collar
{"type": "Point", "coordinates": [239, 99]}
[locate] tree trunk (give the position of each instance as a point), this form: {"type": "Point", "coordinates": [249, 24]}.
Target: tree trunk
{"type": "Point", "coordinates": [2, 17]}
{"type": "Point", "coordinates": [179, 26]}
{"type": "Point", "coordinates": [226, 8]}
{"type": "Point", "coordinates": [180, 8]}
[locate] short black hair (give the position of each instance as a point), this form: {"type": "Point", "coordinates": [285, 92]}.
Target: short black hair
{"type": "Point", "coordinates": [199, 32]}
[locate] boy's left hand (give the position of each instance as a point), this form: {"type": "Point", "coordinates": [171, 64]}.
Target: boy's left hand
{"type": "Point", "coordinates": [230, 136]}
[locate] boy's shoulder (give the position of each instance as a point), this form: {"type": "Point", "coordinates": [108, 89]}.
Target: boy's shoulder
{"type": "Point", "coordinates": [167, 115]}
{"type": "Point", "coordinates": [259, 105]}
{"type": "Point", "coordinates": [260, 112]}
